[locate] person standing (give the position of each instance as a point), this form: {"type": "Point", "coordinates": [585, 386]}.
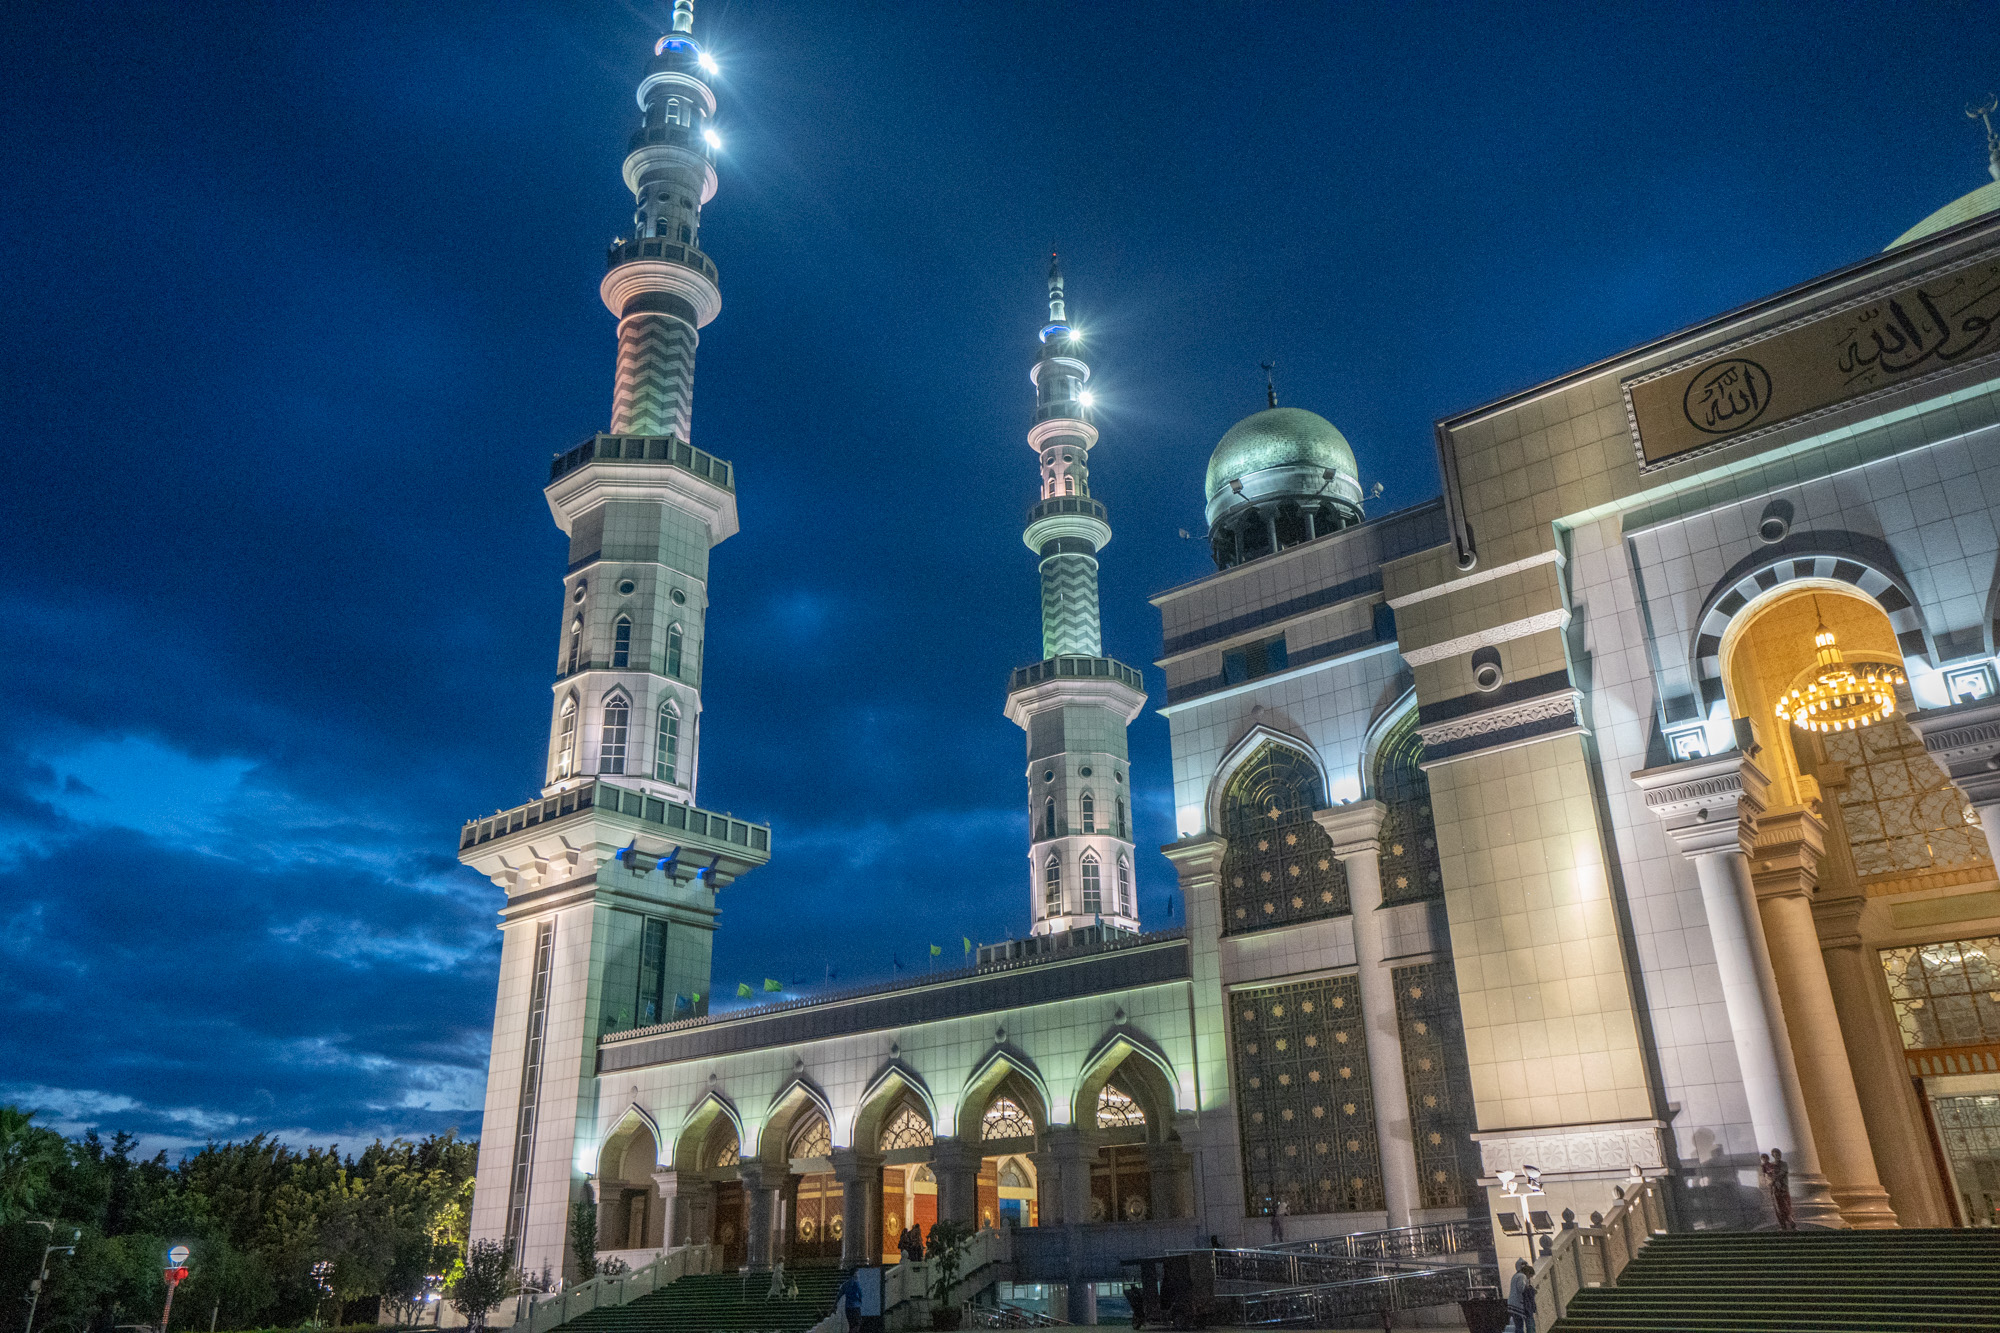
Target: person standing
{"type": "Point", "coordinates": [1779, 1175]}
{"type": "Point", "coordinates": [1278, 1215]}
{"type": "Point", "coordinates": [1521, 1299]}
{"type": "Point", "coordinates": [849, 1302]}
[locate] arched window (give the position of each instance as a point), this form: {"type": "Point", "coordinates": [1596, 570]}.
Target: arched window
{"type": "Point", "coordinates": [1069, 484]}
{"type": "Point", "coordinates": [1410, 868]}
{"type": "Point", "coordinates": [674, 649]}
{"type": "Point", "coordinates": [1052, 887]}
{"type": "Point", "coordinates": [1089, 813]}
{"type": "Point", "coordinates": [1279, 866]}
{"type": "Point", "coordinates": [1005, 1119]}
{"type": "Point", "coordinates": [811, 1138]}
{"type": "Point", "coordinates": [1049, 818]}
{"type": "Point", "coordinates": [1012, 1177]}
{"type": "Point", "coordinates": [565, 762]}
{"type": "Point", "coordinates": [621, 642]}
{"type": "Point", "coordinates": [575, 646]}
{"type": "Point", "coordinates": [1124, 888]}
{"type": "Point", "coordinates": [728, 1154]}
{"type": "Point", "coordinates": [907, 1128]}
{"type": "Point", "coordinates": [611, 745]}
{"type": "Point", "coordinates": [1121, 817]}
{"type": "Point", "coordinates": [1117, 1111]}
{"type": "Point", "coordinates": [687, 235]}
{"type": "Point", "coordinates": [1093, 888]}
{"type": "Point", "coordinates": [674, 111]}
{"type": "Point", "coordinates": [667, 744]}
{"type": "Point", "coordinates": [639, 221]}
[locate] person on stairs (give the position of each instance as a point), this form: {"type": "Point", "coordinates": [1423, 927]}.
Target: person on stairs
{"type": "Point", "coordinates": [1521, 1299]}
{"type": "Point", "coordinates": [849, 1302]}
{"type": "Point", "coordinates": [777, 1290]}
{"type": "Point", "coordinates": [1778, 1175]}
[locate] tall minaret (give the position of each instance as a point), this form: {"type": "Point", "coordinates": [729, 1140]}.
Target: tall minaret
{"type": "Point", "coordinates": [612, 873]}
{"type": "Point", "coordinates": [1076, 703]}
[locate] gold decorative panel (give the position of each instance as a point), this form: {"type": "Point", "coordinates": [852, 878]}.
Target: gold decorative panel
{"type": "Point", "coordinates": [1410, 870]}
{"type": "Point", "coordinates": [1946, 994]}
{"type": "Point", "coordinates": [1439, 1084]}
{"type": "Point", "coordinates": [1903, 816]}
{"type": "Point", "coordinates": [1279, 867]}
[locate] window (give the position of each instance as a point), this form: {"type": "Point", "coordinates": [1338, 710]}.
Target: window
{"type": "Point", "coordinates": [1012, 1177]}
{"type": "Point", "coordinates": [1006, 1120]}
{"type": "Point", "coordinates": [907, 1128]}
{"type": "Point", "coordinates": [1093, 891]}
{"type": "Point", "coordinates": [611, 748]}
{"type": "Point", "coordinates": [1253, 660]}
{"type": "Point", "coordinates": [1089, 813]}
{"type": "Point", "coordinates": [728, 1154]}
{"type": "Point", "coordinates": [575, 646]}
{"type": "Point", "coordinates": [667, 746]}
{"type": "Point", "coordinates": [1117, 1111]}
{"type": "Point", "coordinates": [812, 1138]}
{"type": "Point", "coordinates": [1049, 818]}
{"type": "Point", "coordinates": [674, 650]}
{"type": "Point", "coordinates": [1946, 994]}
{"type": "Point", "coordinates": [1069, 484]}
{"type": "Point", "coordinates": [1121, 817]}
{"type": "Point", "coordinates": [653, 974]}
{"type": "Point", "coordinates": [1052, 888]}
{"type": "Point", "coordinates": [1410, 865]}
{"type": "Point", "coordinates": [565, 764]}
{"type": "Point", "coordinates": [1280, 865]}
{"type": "Point", "coordinates": [621, 642]}
{"type": "Point", "coordinates": [1124, 888]}
{"type": "Point", "coordinates": [639, 221]}
{"type": "Point", "coordinates": [687, 235]}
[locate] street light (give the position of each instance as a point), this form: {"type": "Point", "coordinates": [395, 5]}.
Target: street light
{"type": "Point", "coordinates": [35, 1287]}
{"type": "Point", "coordinates": [1521, 1186]}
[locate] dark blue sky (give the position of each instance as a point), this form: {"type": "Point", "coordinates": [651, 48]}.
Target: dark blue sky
{"type": "Point", "coordinates": [297, 300]}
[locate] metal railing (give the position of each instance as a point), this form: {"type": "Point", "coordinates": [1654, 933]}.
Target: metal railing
{"type": "Point", "coordinates": [644, 449]}
{"type": "Point", "coordinates": [1328, 1305]}
{"type": "Point", "coordinates": [1067, 504]}
{"type": "Point", "coordinates": [595, 794]}
{"type": "Point", "coordinates": [1594, 1255]}
{"type": "Point", "coordinates": [906, 1288]}
{"type": "Point", "coordinates": [1005, 1315]}
{"type": "Point", "coordinates": [1275, 1268]}
{"type": "Point", "coordinates": [671, 251]}
{"type": "Point", "coordinates": [1065, 668]}
{"type": "Point", "coordinates": [1431, 1240]}
{"type": "Point", "coordinates": [599, 1292]}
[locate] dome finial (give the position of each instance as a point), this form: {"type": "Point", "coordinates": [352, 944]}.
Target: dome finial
{"type": "Point", "coordinates": [683, 15]}
{"type": "Point", "coordinates": [1270, 385]}
{"type": "Point", "coordinates": [1983, 113]}
{"type": "Point", "coordinates": [1057, 313]}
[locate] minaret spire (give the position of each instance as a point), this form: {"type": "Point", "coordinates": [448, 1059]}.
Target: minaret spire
{"type": "Point", "coordinates": [1270, 385]}
{"type": "Point", "coordinates": [1983, 113]}
{"type": "Point", "coordinates": [1075, 703]}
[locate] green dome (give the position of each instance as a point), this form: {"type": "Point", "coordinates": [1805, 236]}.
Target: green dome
{"type": "Point", "coordinates": [1966, 207]}
{"type": "Point", "coordinates": [1279, 437]}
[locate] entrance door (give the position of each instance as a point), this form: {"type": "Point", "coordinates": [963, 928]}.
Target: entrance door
{"type": "Point", "coordinates": [730, 1232]}
{"type": "Point", "coordinates": [816, 1220]}
{"type": "Point", "coordinates": [892, 1213]}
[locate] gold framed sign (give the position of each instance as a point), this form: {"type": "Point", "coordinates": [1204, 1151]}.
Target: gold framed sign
{"type": "Point", "coordinates": [1939, 323]}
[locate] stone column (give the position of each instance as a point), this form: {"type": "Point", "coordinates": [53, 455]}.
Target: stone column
{"type": "Point", "coordinates": [1710, 808]}
{"type": "Point", "coordinates": [1964, 741]}
{"type": "Point", "coordinates": [759, 1212]}
{"type": "Point", "coordinates": [955, 1163]}
{"type": "Point", "coordinates": [1897, 1133]}
{"type": "Point", "coordinates": [1073, 1150]}
{"type": "Point", "coordinates": [860, 1195]}
{"type": "Point", "coordinates": [1785, 873]}
{"type": "Point", "coordinates": [1166, 1168]}
{"type": "Point", "coordinates": [668, 1185]}
{"type": "Point", "coordinates": [1356, 831]}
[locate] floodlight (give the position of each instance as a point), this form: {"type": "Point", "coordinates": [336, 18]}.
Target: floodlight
{"type": "Point", "coordinates": [1508, 1223]}
{"type": "Point", "coordinates": [707, 62]}
{"type": "Point", "coordinates": [711, 138]}
{"type": "Point", "coordinates": [1087, 398]}
{"type": "Point", "coordinates": [1540, 1220]}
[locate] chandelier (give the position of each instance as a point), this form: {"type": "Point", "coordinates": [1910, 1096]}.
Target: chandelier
{"type": "Point", "coordinates": [1841, 697]}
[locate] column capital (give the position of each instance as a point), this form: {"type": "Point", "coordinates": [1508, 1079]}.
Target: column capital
{"type": "Point", "coordinates": [1838, 920]}
{"type": "Point", "coordinates": [1355, 827]}
{"type": "Point", "coordinates": [1709, 804]}
{"type": "Point", "coordinates": [1964, 741]}
{"type": "Point", "coordinates": [754, 1175]}
{"type": "Point", "coordinates": [850, 1164]}
{"type": "Point", "coordinates": [668, 1182]}
{"type": "Point", "coordinates": [1784, 860]}
{"type": "Point", "coordinates": [1197, 855]}
{"type": "Point", "coordinates": [954, 1153]}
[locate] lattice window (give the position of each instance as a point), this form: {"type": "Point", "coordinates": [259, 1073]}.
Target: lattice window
{"type": "Point", "coordinates": [1279, 866]}
{"type": "Point", "coordinates": [1439, 1084]}
{"type": "Point", "coordinates": [1409, 834]}
{"type": "Point", "coordinates": [907, 1128]}
{"type": "Point", "coordinates": [1305, 1109]}
{"type": "Point", "coordinates": [1012, 1177]}
{"type": "Point", "coordinates": [812, 1138]}
{"type": "Point", "coordinates": [621, 642]}
{"type": "Point", "coordinates": [1006, 1120]}
{"type": "Point", "coordinates": [1115, 1110]}
{"type": "Point", "coordinates": [1969, 1127]}
{"type": "Point", "coordinates": [611, 746]}
{"type": "Point", "coordinates": [727, 1154]}
{"type": "Point", "coordinates": [1946, 994]}
{"type": "Point", "coordinates": [1902, 814]}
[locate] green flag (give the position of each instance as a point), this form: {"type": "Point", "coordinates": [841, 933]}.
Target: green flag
{"type": "Point", "coordinates": [935, 951]}
{"type": "Point", "coordinates": [968, 943]}
{"type": "Point", "coordinates": [743, 990]}
{"type": "Point", "coordinates": [771, 985]}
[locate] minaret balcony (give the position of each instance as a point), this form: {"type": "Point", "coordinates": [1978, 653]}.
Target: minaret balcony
{"type": "Point", "coordinates": [663, 449]}
{"type": "Point", "coordinates": [1072, 517]}
{"type": "Point", "coordinates": [595, 819]}
{"type": "Point", "coordinates": [1069, 504]}
{"type": "Point", "coordinates": [659, 247]}
{"type": "Point", "coordinates": [643, 467]}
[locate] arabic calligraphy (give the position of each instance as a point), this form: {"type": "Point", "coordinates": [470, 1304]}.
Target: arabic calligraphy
{"type": "Point", "coordinates": [1727, 396]}
{"type": "Point", "coordinates": [1943, 321]}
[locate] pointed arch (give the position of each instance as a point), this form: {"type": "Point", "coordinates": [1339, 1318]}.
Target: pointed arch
{"type": "Point", "coordinates": [633, 1119]}
{"type": "Point", "coordinates": [1278, 866]}
{"type": "Point", "coordinates": [884, 1092]}
{"type": "Point", "coordinates": [1088, 809]}
{"type": "Point", "coordinates": [667, 742]}
{"type": "Point", "coordinates": [614, 731]}
{"type": "Point", "coordinates": [563, 764]}
{"type": "Point", "coordinates": [1393, 774]}
{"type": "Point", "coordinates": [1386, 721]}
{"type": "Point", "coordinates": [1141, 1070]}
{"type": "Point", "coordinates": [621, 643]}
{"type": "Point", "coordinates": [675, 640]}
{"type": "Point", "coordinates": [1126, 907]}
{"type": "Point", "coordinates": [1052, 888]}
{"type": "Point", "coordinates": [1001, 1070]}
{"type": "Point", "coordinates": [696, 1125]}
{"type": "Point", "coordinates": [1240, 754]}
{"type": "Point", "coordinates": [798, 1098]}
{"type": "Point", "coordinates": [1091, 877]}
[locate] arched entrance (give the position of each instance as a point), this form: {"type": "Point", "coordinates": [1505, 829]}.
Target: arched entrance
{"type": "Point", "coordinates": [719, 1159]}
{"type": "Point", "coordinates": [1004, 1112]}
{"type": "Point", "coordinates": [1125, 1106]}
{"type": "Point", "coordinates": [909, 1186]}
{"type": "Point", "coordinates": [629, 1215]}
{"type": "Point", "coordinates": [1279, 867]}
{"type": "Point", "coordinates": [816, 1198]}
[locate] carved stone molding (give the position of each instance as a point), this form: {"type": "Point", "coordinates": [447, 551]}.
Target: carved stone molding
{"type": "Point", "coordinates": [1575, 1150]}
{"type": "Point", "coordinates": [1465, 643]}
{"type": "Point", "coordinates": [1785, 857]}
{"type": "Point", "coordinates": [1562, 704]}
{"type": "Point", "coordinates": [1964, 741]}
{"type": "Point", "coordinates": [1709, 804]}
{"type": "Point", "coordinates": [1353, 828]}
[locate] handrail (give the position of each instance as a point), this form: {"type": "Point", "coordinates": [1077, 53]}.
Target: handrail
{"type": "Point", "coordinates": [1426, 1240]}
{"type": "Point", "coordinates": [910, 1282]}
{"type": "Point", "coordinates": [1594, 1256]}
{"type": "Point", "coordinates": [1328, 1304]}
{"type": "Point", "coordinates": [617, 1288]}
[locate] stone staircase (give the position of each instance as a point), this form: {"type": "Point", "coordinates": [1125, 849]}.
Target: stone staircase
{"type": "Point", "coordinates": [1825, 1281]}
{"type": "Point", "coordinates": [720, 1303]}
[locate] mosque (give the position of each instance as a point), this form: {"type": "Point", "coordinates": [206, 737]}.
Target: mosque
{"type": "Point", "coordinates": [1631, 806]}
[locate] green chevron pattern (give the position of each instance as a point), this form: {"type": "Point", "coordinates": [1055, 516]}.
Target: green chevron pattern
{"type": "Point", "coordinates": [655, 393]}
{"type": "Point", "coordinates": [1069, 607]}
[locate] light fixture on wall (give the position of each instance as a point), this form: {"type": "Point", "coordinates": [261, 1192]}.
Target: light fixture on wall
{"type": "Point", "coordinates": [1840, 697]}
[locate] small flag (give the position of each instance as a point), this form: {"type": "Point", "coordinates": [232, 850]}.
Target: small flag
{"type": "Point", "coordinates": [743, 991]}
{"type": "Point", "coordinates": [935, 951]}
{"type": "Point", "coordinates": [770, 985]}
{"type": "Point", "coordinates": [896, 961]}
{"type": "Point", "coordinates": [968, 944]}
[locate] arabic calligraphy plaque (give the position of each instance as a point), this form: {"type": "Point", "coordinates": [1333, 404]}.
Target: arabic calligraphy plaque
{"type": "Point", "coordinates": [1936, 324]}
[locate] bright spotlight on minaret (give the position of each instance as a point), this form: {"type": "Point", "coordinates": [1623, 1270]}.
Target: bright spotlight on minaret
{"type": "Point", "coordinates": [707, 62]}
{"type": "Point", "coordinates": [712, 139]}
{"type": "Point", "coordinates": [1087, 398]}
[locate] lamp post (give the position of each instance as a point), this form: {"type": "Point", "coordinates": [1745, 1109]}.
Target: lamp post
{"type": "Point", "coordinates": [1521, 1186]}
{"type": "Point", "coordinates": [35, 1287]}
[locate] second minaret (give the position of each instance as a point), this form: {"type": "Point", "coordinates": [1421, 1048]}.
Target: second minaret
{"type": "Point", "coordinates": [1075, 703]}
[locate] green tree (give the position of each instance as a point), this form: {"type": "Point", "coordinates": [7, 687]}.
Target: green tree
{"type": "Point", "coordinates": [583, 1238]}
{"type": "Point", "coordinates": [488, 1278]}
{"type": "Point", "coordinates": [29, 1155]}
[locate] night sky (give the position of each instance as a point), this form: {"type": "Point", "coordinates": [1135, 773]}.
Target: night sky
{"type": "Point", "coordinates": [298, 299]}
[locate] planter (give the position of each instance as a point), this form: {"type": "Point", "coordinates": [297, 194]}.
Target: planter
{"type": "Point", "coordinates": [1484, 1314]}
{"type": "Point", "coordinates": [946, 1317]}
